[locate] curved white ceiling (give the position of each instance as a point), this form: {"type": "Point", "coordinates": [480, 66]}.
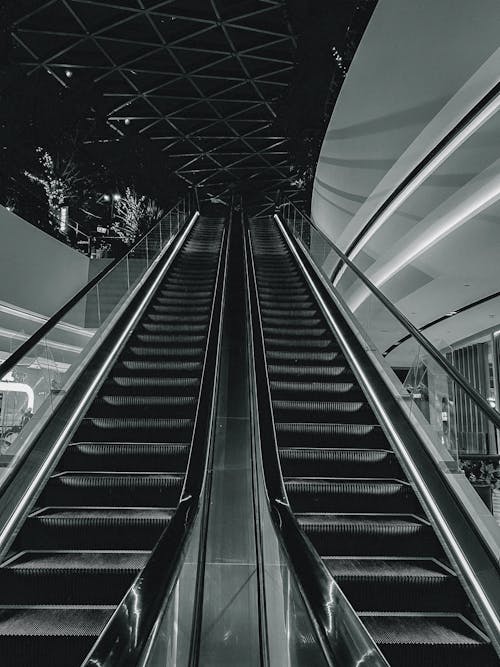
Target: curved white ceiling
{"type": "Point", "coordinates": [420, 67]}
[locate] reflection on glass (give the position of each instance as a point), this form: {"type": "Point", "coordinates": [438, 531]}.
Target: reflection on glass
{"type": "Point", "coordinates": [464, 436]}
{"type": "Point", "coordinates": [170, 639]}
{"type": "Point", "coordinates": [32, 389]}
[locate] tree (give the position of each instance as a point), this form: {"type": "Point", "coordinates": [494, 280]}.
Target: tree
{"type": "Point", "coordinates": [129, 212]}
{"type": "Point", "coordinates": [58, 178]}
{"type": "Point", "coordinates": [134, 215]}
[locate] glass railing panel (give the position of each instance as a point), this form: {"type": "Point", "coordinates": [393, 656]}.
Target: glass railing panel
{"type": "Point", "coordinates": [464, 437]}
{"type": "Point", "coordinates": [31, 390]}
{"type": "Point", "coordinates": [170, 642]}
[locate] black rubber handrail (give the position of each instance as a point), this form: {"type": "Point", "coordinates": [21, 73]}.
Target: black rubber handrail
{"type": "Point", "coordinates": [35, 338]}
{"type": "Point", "coordinates": [123, 640]}
{"type": "Point", "coordinates": [492, 414]}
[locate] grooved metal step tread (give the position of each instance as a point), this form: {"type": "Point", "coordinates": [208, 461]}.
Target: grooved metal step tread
{"type": "Point", "coordinates": [91, 488]}
{"type": "Point", "coordinates": [157, 339]}
{"type": "Point", "coordinates": [316, 461]}
{"type": "Point", "coordinates": [158, 366]}
{"type": "Point", "coordinates": [388, 568]}
{"type": "Point", "coordinates": [322, 494]}
{"type": "Point", "coordinates": [143, 401]}
{"type": "Point", "coordinates": [172, 328]}
{"type": "Point", "coordinates": [447, 629]}
{"type": "Point", "coordinates": [63, 621]}
{"type": "Point", "coordinates": [296, 332]}
{"type": "Point", "coordinates": [131, 382]}
{"type": "Point", "coordinates": [294, 322]}
{"type": "Point", "coordinates": [304, 344]}
{"type": "Point", "coordinates": [37, 561]}
{"type": "Point", "coordinates": [300, 372]}
{"type": "Point", "coordinates": [303, 357]}
{"type": "Point", "coordinates": [125, 456]}
{"type": "Point", "coordinates": [154, 352]}
{"type": "Point", "coordinates": [342, 434]}
{"type": "Point", "coordinates": [314, 387]}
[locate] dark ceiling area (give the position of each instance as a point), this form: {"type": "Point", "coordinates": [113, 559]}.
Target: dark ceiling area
{"type": "Point", "coordinates": [225, 95]}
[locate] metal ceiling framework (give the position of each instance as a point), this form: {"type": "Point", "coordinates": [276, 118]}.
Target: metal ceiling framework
{"type": "Point", "coordinates": [199, 78]}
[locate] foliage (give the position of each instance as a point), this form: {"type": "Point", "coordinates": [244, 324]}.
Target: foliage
{"type": "Point", "coordinates": [58, 178]}
{"type": "Point", "coordinates": [481, 472]}
{"type": "Point", "coordinates": [129, 211]}
{"type": "Point", "coordinates": [134, 215]}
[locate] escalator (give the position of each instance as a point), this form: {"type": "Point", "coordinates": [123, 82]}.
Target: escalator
{"type": "Point", "coordinates": [117, 484]}
{"type": "Point", "coordinates": [344, 483]}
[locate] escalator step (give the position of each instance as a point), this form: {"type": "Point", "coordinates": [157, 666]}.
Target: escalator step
{"type": "Point", "coordinates": [69, 577]}
{"type": "Point", "coordinates": [302, 373]}
{"type": "Point", "coordinates": [125, 456]}
{"type": "Point", "coordinates": [330, 435]}
{"type": "Point", "coordinates": [129, 383]}
{"type": "Point", "coordinates": [165, 352]}
{"type": "Point", "coordinates": [155, 339]}
{"type": "Point", "coordinates": [272, 298]}
{"type": "Point", "coordinates": [304, 357]}
{"type": "Point", "coordinates": [154, 368]}
{"type": "Point", "coordinates": [350, 495]}
{"type": "Point", "coordinates": [369, 534]}
{"type": "Point", "coordinates": [117, 405]}
{"type": "Point", "coordinates": [103, 489]}
{"type": "Point", "coordinates": [434, 641]}
{"type": "Point", "coordinates": [173, 328]}
{"type": "Point", "coordinates": [316, 390]}
{"type": "Point", "coordinates": [282, 310]}
{"type": "Point", "coordinates": [146, 429]}
{"type": "Point", "coordinates": [93, 528]}
{"type": "Point", "coordinates": [305, 344]}
{"type": "Point", "coordinates": [63, 636]}
{"type": "Point", "coordinates": [337, 411]}
{"type": "Point", "coordinates": [397, 584]}
{"type": "Point", "coordinates": [164, 314]}
{"type": "Point", "coordinates": [287, 331]}
{"type": "Point", "coordinates": [315, 462]}
{"type": "Point", "coordinates": [290, 322]}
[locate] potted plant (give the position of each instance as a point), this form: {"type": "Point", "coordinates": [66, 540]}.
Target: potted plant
{"type": "Point", "coordinates": [484, 475]}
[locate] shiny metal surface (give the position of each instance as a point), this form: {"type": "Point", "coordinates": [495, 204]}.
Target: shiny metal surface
{"type": "Point", "coordinates": [230, 625]}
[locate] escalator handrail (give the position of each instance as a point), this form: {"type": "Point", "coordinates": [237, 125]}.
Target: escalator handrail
{"type": "Point", "coordinates": [122, 642]}
{"type": "Point", "coordinates": [18, 354]}
{"type": "Point", "coordinates": [321, 593]}
{"type": "Point", "coordinates": [492, 414]}
{"type": "Point", "coordinates": [455, 518]}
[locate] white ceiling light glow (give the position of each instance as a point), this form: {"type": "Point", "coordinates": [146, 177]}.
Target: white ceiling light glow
{"type": "Point", "coordinates": [467, 131]}
{"type": "Point", "coordinates": [474, 198]}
